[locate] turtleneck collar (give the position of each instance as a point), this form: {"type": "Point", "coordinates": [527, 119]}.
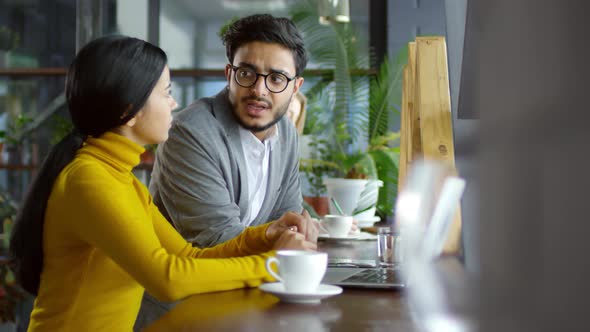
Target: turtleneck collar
{"type": "Point", "coordinates": [114, 149]}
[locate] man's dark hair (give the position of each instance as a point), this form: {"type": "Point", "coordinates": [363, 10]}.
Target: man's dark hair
{"type": "Point", "coordinates": [269, 29]}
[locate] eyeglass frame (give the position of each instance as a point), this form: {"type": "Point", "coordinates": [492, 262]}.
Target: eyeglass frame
{"type": "Point", "coordinates": [235, 68]}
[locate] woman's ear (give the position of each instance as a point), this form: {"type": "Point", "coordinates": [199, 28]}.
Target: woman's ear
{"type": "Point", "coordinates": [131, 122]}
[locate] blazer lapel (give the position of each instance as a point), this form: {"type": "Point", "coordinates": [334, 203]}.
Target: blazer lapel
{"type": "Point", "coordinates": [222, 110]}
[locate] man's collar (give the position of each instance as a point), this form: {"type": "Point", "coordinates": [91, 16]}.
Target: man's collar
{"type": "Point", "coordinates": [272, 137]}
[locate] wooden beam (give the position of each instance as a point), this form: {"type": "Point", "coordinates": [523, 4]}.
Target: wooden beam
{"type": "Point", "coordinates": [405, 132]}
{"type": "Point", "coordinates": [426, 120]}
{"type": "Point", "coordinates": [416, 141]}
{"type": "Point", "coordinates": [434, 99]}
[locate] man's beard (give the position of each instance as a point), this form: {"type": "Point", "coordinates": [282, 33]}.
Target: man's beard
{"type": "Point", "coordinates": [281, 111]}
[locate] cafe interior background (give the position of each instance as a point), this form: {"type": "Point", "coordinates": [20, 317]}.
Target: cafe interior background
{"type": "Point", "coordinates": [39, 38]}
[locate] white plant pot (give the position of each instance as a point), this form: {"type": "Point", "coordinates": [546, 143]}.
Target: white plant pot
{"type": "Point", "coordinates": [346, 192]}
{"type": "Point", "coordinates": [368, 199]}
{"type": "Point", "coordinates": [366, 215]}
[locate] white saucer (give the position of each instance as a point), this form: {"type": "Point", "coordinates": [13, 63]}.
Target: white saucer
{"type": "Point", "coordinates": [339, 238]}
{"type": "Point", "coordinates": [277, 289]}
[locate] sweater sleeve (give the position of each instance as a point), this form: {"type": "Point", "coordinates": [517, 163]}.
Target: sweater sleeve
{"type": "Point", "coordinates": [250, 242]}
{"type": "Point", "coordinates": [116, 219]}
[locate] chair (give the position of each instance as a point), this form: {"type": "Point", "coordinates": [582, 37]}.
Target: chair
{"type": "Point", "coordinates": [296, 111]}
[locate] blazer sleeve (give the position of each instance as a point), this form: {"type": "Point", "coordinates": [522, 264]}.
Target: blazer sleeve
{"type": "Point", "coordinates": [192, 188]}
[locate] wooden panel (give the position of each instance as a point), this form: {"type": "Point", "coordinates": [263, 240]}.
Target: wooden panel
{"type": "Point", "coordinates": [416, 142]}
{"type": "Point", "coordinates": [426, 120]}
{"type": "Point", "coordinates": [434, 100]}
{"type": "Point", "coordinates": [405, 132]}
{"type": "Point", "coordinates": [434, 106]}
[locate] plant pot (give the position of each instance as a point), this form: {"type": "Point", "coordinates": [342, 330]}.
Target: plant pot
{"type": "Point", "coordinates": [368, 200]}
{"type": "Point", "coordinates": [366, 215]}
{"type": "Point", "coordinates": [346, 192]}
{"type": "Point", "coordinates": [147, 157]}
{"type": "Point", "coordinates": [318, 203]}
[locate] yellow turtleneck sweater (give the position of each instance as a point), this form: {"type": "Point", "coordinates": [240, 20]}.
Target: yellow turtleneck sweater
{"type": "Point", "coordinates": [105, 241]}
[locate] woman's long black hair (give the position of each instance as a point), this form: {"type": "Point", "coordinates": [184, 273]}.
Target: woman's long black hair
{"type": "Point", "coordinates": [108, 82]}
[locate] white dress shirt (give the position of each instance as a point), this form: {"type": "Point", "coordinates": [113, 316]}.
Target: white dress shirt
{"type": "Point", "coordinates": [257, 156]}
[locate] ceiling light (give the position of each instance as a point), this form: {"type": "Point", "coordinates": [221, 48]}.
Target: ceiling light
{"type": "Point", "coordinates": [334, 11]}
{"type": "Point", "coordinates": [254, 5]}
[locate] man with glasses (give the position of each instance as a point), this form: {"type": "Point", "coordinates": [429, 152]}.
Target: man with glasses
{"type": "Point", "coordinates": [231, 161]}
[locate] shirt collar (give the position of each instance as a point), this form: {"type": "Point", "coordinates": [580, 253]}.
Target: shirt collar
{"type": "Point", "coordinates": [271, 139]}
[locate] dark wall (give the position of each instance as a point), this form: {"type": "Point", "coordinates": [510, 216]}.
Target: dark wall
{"type": "Point", "coordinates": [532, 73]}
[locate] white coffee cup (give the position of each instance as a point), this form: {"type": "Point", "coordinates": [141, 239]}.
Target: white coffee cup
{"type": "Point", "coordinates": [336, 225]}
{"type": "Point", "coordinates": [299, 271]}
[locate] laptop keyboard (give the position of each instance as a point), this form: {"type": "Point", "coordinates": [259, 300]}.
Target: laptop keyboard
{"type": "Point", "coordinates": [374, 276]}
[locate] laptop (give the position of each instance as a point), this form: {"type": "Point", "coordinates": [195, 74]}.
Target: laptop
{"type": "Point", "coordinates": [440, 209]}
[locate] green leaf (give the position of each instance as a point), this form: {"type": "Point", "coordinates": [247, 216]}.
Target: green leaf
{"type": "Point", "coordinates": [350, 114]}
{"type": "Point", "coordinates": [386, 91]}
{"type": "Point", "coordinates": [387, 162]}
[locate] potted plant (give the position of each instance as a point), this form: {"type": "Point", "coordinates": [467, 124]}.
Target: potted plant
{"type": "Point", "coordinates": [333, 47]}
{"type": "Point", "coordinates": [355, 142]}
{"type": "Point", "coordinates": [313, 156]}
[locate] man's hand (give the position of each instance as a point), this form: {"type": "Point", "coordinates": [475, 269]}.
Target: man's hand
{"type": "Point", "coordinates": [292, 240]}
{"type": "Point", "coordinates": [294, 222]}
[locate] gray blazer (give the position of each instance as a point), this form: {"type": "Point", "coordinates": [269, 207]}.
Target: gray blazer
{"type": "Point", "coordinates": [199, 180]}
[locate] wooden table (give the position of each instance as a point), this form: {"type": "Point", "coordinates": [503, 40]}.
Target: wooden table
{"type": "Point", "coordinates": [254, 310]}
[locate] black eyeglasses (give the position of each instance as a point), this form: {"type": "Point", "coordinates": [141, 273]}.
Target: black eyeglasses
{"type": "Point", "coordinates": [247, 77]}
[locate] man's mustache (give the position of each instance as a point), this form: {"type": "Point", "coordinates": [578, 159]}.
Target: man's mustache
{"type": "Point", "coordinates": [257, 99]}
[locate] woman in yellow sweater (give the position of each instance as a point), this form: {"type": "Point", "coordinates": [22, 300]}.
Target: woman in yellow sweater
{"type": "Point", "coordinates": [88, 238]}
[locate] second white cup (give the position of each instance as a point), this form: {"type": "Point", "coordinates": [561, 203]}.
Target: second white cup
{"type": "Point", "coordinates": [299, 271]}
{"type": "Point", "coordinates": [337, 226]}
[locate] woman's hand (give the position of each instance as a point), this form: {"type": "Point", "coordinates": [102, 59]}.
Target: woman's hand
{"type": "Point", "coordinates": [295, 223]}
{"type": "Point", "coordinates": [292, 240]}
